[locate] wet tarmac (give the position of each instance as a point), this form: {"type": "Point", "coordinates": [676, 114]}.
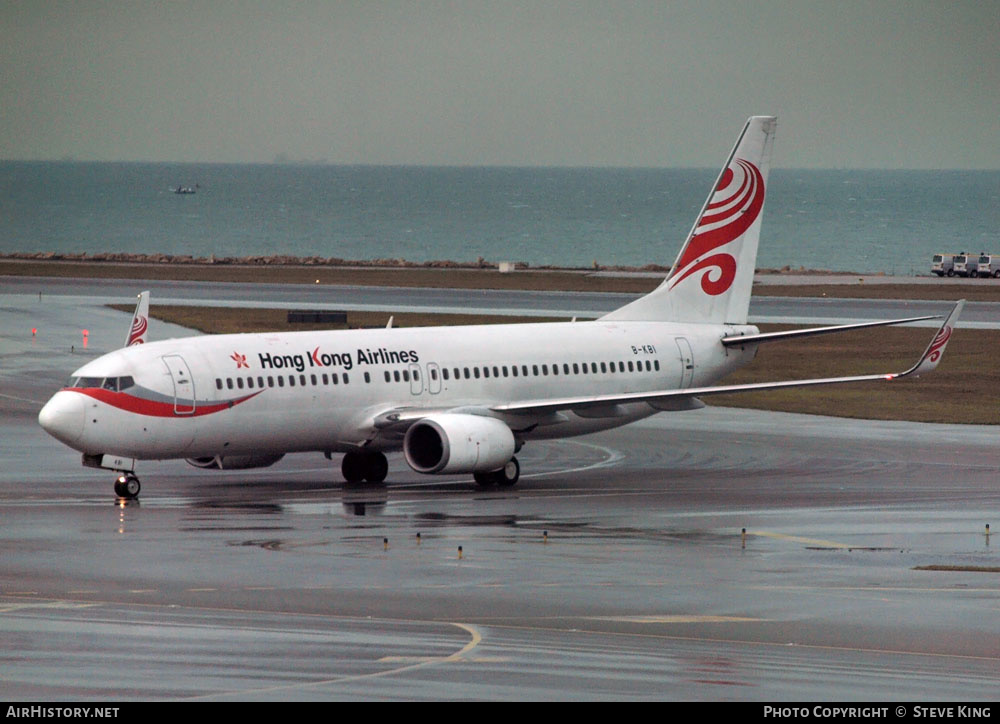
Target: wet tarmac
{"type": "Point", "coordinates": [617, 569]}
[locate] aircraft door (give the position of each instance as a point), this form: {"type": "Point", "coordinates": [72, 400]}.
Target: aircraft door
{"type": "Point", "coordinates": [687, 361]}
{"type": "Point", "coordinates": [416, 380]}
{"type": "Point", "coordinates": [180, 375]}
{"type": "Point", "coordinates": [433, 378]}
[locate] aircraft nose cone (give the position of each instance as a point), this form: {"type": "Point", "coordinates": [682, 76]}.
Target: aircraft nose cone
{"type": "Point", "coordinates": [63, 417]}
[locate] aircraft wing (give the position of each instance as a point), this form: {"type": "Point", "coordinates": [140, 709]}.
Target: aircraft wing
{"type": "Point", "coordinates": [737, 340]}
{"type": "Point", "coordinates": [927, 362]}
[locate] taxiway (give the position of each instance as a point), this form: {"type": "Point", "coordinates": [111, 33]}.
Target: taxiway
{"type": "Point", "coordinates": [617, 569]}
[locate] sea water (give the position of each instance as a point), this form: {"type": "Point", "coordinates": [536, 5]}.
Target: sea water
{"type": "Point", "coordinates": [843, 220]}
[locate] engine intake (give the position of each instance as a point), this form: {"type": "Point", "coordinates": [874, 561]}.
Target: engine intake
{"type": "Point", "coordinates": [236, 462]}
{"type": "Point", "coordinates": [458, 443]}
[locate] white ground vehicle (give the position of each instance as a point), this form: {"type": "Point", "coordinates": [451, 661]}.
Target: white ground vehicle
{"type": "Point", "coordinates": [943, 265]}
{"type": "Point", "coordinates": [967, 265]}
{"type": "Point", "coordinates": [989, 265]}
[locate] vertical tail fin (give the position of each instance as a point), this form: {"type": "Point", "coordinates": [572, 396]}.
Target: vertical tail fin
{"type": "Point", "coordinates": [137, 333]}
{"type": "Point", "coordinates": [712, 278]}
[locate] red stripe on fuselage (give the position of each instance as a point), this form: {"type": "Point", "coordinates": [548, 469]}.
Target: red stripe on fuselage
{"type": "Point", "coordinates": [153, 408]}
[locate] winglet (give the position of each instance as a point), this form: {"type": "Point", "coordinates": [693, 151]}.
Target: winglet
{"type": "Point", "coordinates": [935, 350]}
{"type": "Point", "coordinates": [137, 333]}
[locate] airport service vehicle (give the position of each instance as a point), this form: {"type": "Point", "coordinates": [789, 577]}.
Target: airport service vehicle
{"type": "Point", "coordinates": [967, 265]}
{"type": "Point", "coordinates": [943, 265]}
{"type": "Point", "coordinates": [459, 400]}
{"type": "Point", "coordinates": [989, 265]}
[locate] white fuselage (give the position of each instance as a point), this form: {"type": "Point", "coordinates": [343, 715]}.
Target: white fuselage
{"type": "Point", "coordinates": [324, 391]}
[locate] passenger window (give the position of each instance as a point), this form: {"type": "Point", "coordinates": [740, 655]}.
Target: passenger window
{"type": "Point", "coordinates": [524, 370]}
{"type": "Point", "coordinates": [250, 382]}
{"type": "Point", "coordinates": [434, 374]}
{"type": "Point", "coordinates": [395, 375]}
{"type": "Point", "coordinates": [313, 379]}
{"type": "Point", "coordinates": [416, 375]}
{"type": "Point", "coordinates": [406, 375]}
{"type": "Point", "coordinates": [388, 377]}
{"type": "Point", "coordinates": [496, 371]}
{"type": "Point", "coordinates": [649, 367]}
{"type": "Point", "coordinates": [326, 378]}
{"type": "Point", "coordinates": [604, 367]}
{"type": "Point", "coordinates": [576, 368]}
{"type": "Point", "coordinates": [475, 372]}
{"type": "Point", "coordinates": [506, 372]}
{"type": "Point", "coordinates": [229, 382]}
{"type": "Point", "coordinates": [346, 378]}
{"type": "Point", "coordinates": [218, 383]}
{"type": "Point", "coordinates": [486, 372]}
{"type": "Point", "coordinates": [281, 380]}
{"type": "Point", "coordinates": [302, 380]}
{"type": "Point", "coordinates": [291, 380]}
{"type": "Point", "coordinates": [555, 369]}
{"type": "Point", "coordinates": [656, 365]}
{"type": "Point", "coordinates": [368, 378]}
{"type": "Point", "coordinates": [466, 373]}
{"type": "Point", "coordinates": [239, 382]}
{"type": "Point", "coordinates": [514, 370]}
{"type": "Point", "coordinates": [630, 367]}
{"type": "Point", "coordinates": [445, 373]}
{"type": "Point", "coordinates": [534, 370]}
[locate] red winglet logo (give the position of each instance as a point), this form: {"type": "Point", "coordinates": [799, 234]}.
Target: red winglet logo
{"type": "Point", "coordinates": [937, 346]}
{"type": "Point", "coordinates": [138, 331]}
{"type": "Point", "coordinates": [728, 215]}
{"type": "Point", "coordinates": [240, 360]}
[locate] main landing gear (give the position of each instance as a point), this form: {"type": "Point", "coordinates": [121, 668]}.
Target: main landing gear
{"type": "Point", "coordinates": [127, 486]}
{"type": "Point", "coordinates": [505, 477]}
{"type": "Point", "coordinates": [368, 465]}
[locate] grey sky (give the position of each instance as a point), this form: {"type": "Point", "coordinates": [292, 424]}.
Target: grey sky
{"type": "Point", "coordinates": [910, 84]}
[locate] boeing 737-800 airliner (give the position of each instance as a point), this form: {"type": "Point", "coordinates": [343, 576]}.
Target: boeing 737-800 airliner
{"type": "Point", "coordinates": [452, 399]}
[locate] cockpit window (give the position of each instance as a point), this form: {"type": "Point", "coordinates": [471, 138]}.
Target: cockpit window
{"type": "Point", "coordinates": [85, 382]}
{"type": "Point", "coordinates": [114, 384]}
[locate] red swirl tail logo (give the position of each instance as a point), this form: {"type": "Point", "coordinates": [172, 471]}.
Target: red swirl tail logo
{"type": "Point", "coordinates": [138, 331]}
{"type": "Point", "coordinates": [735, 205]}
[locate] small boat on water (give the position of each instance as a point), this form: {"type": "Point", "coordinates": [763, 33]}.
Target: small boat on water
{"type": "Point", "coordinates": [186, 189]}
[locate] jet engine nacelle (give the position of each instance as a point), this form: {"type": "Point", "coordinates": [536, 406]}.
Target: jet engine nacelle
{"type": "Point", "coordinates": [458, 443]}
{"type": "Point", "coordinates": [236, 462]}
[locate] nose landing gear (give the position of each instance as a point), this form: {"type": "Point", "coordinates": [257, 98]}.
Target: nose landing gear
{"type": "Point", "coordinates": [127, 486]}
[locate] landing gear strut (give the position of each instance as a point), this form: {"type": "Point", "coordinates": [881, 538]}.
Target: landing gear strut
{"type": "Point", "coordinates": [505, 477]}
{"type": "Point", "coordinates": [369, 465]}
{"type": "Point", "coordinates": [127, 486]}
